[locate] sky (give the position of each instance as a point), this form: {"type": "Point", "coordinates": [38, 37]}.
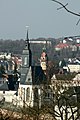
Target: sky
{"type": "Point", "coordinates": [42, 17]}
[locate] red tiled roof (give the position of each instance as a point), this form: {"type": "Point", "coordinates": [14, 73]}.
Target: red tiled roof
{"type": "Point", "coordinates": [77, 45]}
{"type": "Point", "coordinates": [62, 45]}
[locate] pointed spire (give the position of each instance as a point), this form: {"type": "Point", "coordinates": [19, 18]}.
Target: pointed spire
{"type": "Point", "coordinates": [27, 36]}
{"type": "Point", "coordinates": [27, 40]}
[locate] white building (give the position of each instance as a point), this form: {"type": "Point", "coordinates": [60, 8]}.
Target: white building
{"type": "Point", "coordinates": [74, 68]}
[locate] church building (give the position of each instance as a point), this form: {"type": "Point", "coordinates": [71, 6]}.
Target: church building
{"type": "Point", "coordinates": [31, 80]}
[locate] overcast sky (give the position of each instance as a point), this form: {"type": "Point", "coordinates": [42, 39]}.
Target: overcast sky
{"type": "Point", "coordinates": [41, 16]}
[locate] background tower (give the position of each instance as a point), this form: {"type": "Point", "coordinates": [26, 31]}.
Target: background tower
{"type": "Point", "coordinates": [44, 59]}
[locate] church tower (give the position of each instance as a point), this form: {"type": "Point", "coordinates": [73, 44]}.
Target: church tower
{"type": "Point", "coordinates": [26, 59]}
{"type": "Point", "coordinates": [31, 78]}
{"type": "Point", "coordinates": [44, 60]}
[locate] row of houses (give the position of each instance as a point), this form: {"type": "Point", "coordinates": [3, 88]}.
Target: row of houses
{"type": "Point", "coordinates": [70, 65]}
{"type": "Point", "coordinates": [8, 61]}
{"type": "Point", "coordinates": [60, 46]}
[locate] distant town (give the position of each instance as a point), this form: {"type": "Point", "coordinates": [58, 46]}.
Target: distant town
{"type": "Point", "coordinates": [40, 78]}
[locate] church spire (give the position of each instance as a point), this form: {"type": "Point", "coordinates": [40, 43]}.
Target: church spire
{"type": "Point", "coordinates": [27, 41]}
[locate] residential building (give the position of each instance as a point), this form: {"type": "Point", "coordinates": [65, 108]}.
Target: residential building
{"type": "Point", "coordinates": [61, 46]}
{"type": "Point", "coordinates": [74, 67]}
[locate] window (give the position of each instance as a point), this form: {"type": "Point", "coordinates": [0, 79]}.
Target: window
{"type": "Point", "coordinates": [25, 61]}
{"type": "Point", "coordinates": [27, 94]}
{"type": "Point", "coordinates": [36, 97]}
{"type": "Point", "coordinates": [3, 91]}
{"type": "Point", "coordinates": [21, 94]}
{"type": "Point", "coordinates": [29, 79]}
{"type": "Point", "coordinates": [48, 95]}
{"type": "Point", "coordinates": [48, 92]}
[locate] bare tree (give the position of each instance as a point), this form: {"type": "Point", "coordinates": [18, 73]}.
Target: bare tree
{"type": "Point", "coordinates": [65, 7]}
{"type": "Point", "coordinates": [66, 102]}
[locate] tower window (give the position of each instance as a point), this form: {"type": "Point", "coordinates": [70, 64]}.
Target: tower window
{"type": "Point", "coordinates": [29, 79]}
{"type": "Point", "coordinates": [25, 61]}
{"type": "Point", "coordinates": [3, 92]}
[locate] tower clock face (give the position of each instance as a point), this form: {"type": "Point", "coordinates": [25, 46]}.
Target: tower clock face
{"type": "Point", "coordinates": [25, 61]}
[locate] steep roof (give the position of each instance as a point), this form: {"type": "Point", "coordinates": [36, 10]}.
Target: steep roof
{"type": "Point", "coordinates": [35, 76]}
{"type": "Point", "coordinates": [38, 75]}
{"type": "Point", "coordinates": [10, 84]}
{"type": "Point", "coordinates": [4, 87]}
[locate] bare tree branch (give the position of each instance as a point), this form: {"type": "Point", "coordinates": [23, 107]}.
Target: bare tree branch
{"type": "Point", "coordinates": [64, 6]}
{"type": "Point", "coordinates": [78, 22]}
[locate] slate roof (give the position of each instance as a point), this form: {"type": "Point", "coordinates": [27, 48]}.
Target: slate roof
{"type": "Point", "coordinates": [4, 87]}
{"type": "Point", "coordinates": [35, 76]}
{"type": "Point", "coordinates": [38, 75]}
{"type": "Point", "coordinates": [10, 84]}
